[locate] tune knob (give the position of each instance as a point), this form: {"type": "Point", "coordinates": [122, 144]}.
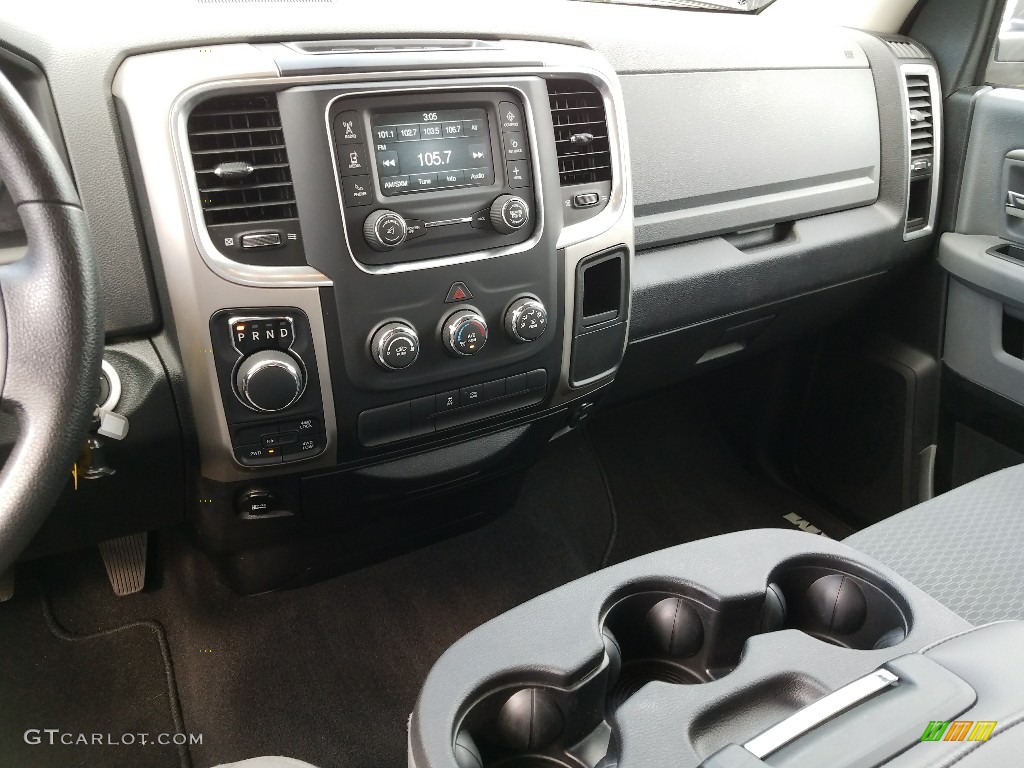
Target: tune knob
{"type": "Point", "coordinates": [269, 380]}
{"type": "Point", "coordinates": [384, 230]}
{"type": "Point", "coordinates": [395, 346]}
{"type": "Point", "coordinates": [509, 213]}
{"type": "Point", "coordinates": [464, 333]}
{"type": "Point", "coordinates": [526, 319]}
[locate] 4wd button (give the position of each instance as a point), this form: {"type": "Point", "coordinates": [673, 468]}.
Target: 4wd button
{"type": "Point", "coordinates": [257, 455]}
{"type": "Point", "coordinates": [303, 425]}
{"type": "Point", "coordinates": [311, 445]}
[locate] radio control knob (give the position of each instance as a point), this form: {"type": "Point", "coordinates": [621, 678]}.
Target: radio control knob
{"type": "Point", "coordinates": [269, 381]}
{"type": "Point", "coordinates": [509, 213]}
{"type": "Point", "coordinates": [395, 346]}
{"type": "Point", "coordinates": [464, 333]}
{"type": "Point", "coordinates": [384, 230]}
{"type": "Point", "coordinates": [526, 319]}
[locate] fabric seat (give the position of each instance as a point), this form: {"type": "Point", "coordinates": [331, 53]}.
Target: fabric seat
{"type": "Point", "coordinates": [268, 762]}
{"type": "Point", "coordinates": [965, 548]}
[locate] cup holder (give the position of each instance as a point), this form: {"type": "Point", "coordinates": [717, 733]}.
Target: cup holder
{"type": "Point", "coordinates": [837, 607]}
{"type": "Point", "coordinates": [676, 635]}
{"type": "Point", "coordinates": [656, 636]}
{"type": "Point", "coordinates": [526, 727]}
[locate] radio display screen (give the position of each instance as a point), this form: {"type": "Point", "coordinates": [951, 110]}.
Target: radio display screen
{"type": "Point", "coordinates": [426, 150]}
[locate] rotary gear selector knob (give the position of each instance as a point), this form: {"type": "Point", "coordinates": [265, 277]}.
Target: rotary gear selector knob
{"type": "Point", "coordinates": [384, 230]}
{"type": "Point", "coordinates": [526, 319]}
{"type": "Point", "coordinates": [269, 381]}
{"type": "Point", "coordinates": [509, 213]}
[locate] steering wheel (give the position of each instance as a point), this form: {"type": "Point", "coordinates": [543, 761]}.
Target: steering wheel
{"type": "Point", "coordinates": [51, 331]}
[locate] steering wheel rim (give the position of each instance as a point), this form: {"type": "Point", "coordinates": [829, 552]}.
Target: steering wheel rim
{"type": "Point", "coordinates": [51, 327]}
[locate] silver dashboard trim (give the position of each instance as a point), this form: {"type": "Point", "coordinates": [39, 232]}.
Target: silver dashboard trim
{"type": "Point", "coordinates": [157, 89]}
{"type": "Point", "coordinates": [936, 96]}
{"type": "Point", "coordinates": [246, 274]}
{"type": "Point", "coordinates": [229, 269]}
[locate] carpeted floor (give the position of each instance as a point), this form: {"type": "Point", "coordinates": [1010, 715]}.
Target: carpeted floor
{"type": "Point", "coordinates": [675, 479]}
{"type": "Point", "coordinates": [98, 699]}
{"type": "Point", "coordinates": [329, 673]}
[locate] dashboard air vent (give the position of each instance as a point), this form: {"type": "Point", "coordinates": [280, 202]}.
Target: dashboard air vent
{"type": "Point", "coordinates": [919, 98]}
{"type": "Point", "coordinates": [906, 49]}
{"type": "Point", "coordinates": [240, 161]}
{"type": "Point", "coordinates": [581, 132]}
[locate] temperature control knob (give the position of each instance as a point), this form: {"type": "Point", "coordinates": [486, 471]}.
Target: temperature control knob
{"type": "Point", "coordinates": [509, 213]}
{"type": "Point", "coordinates": [464, 332]}
{"type": "Point", "coordinates": [526, 319]}
{"type": "Point", "coordinates": [384, 230]}
{"type": "Point", "coordinates": [395, 346]}
{"type": "Point", "coordinates": [269, 380]}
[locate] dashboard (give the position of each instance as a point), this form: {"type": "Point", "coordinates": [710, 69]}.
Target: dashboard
{"type": "Point", "coordinates": [375, 265]}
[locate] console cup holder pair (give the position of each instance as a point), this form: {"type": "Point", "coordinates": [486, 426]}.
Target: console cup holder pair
{"type": "Point", "coordinates": [677, 635]}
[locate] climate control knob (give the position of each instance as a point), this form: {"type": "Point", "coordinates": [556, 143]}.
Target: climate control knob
{"type": "Point", "coordinates": [526, 319]}
{"type": "Point", "coordinates": [464, 333]}
{"type": "Point", "coordinates": [509, 213]}
{"type": "Point", "coordinates": [269, 381]}
{"type": "Point", "coordinates": [395, 346]}
{"type": "Point", "coordinates": [384, 230]}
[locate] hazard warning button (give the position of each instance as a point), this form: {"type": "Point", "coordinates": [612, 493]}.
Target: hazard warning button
{"type": "Point", "coordinates": [458, 292]}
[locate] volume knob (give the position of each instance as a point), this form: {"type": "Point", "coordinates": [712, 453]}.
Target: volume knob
{"type": "Point", "coordinates": [269, 381]}
{"type": "Point", "coordinates": [509, 213]}
{"type": "Point", "coordinates": [384, 230]}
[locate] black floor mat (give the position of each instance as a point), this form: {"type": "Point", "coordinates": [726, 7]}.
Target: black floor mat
{"type": "Point", "coordinates": [105, 699]}
{"type": "Point", "coordinates": [675, 479]}
{"type": "Point", "coordinates": [329, 673]}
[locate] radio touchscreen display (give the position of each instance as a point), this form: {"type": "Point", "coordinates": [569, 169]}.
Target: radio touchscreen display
{"type": "Point", "coordinates": [427, 150]}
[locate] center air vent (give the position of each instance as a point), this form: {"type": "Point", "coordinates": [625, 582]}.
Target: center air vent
{"type": "Point", "coordinates": [581, 132]}
{"type": "Point", "coordinates": [240, 161]}
{"type": "Point", "coordinates": [919, 98]}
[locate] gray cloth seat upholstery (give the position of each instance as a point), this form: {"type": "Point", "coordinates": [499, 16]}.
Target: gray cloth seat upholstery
{"type": "Point", "coordinates": [965, 548]}
{"type": "Point", "coordinates": [268, 762]}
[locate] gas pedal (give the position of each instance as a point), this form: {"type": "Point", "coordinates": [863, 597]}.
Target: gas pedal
{"type": "Point", "coordinates": [125, 561]}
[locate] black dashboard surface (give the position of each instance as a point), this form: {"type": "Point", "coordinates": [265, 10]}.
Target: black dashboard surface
{"type": "Point", "coordinates": [80, 53]}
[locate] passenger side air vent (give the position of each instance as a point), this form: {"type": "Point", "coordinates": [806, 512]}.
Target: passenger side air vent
{"type": "Point", "coordinates": [581, 132]}
{"type": "Point", "coordinates": [919, 100]}
{"type": "Point", "coordinates": [923, 134]}
{"type": "Point", "coordinates": [240, 160]}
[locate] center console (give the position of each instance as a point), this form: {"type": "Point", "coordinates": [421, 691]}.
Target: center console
{"type": "Point", "coordinates": [759, 648]}
{"type": "Point", "coordinates": [368, 262]}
